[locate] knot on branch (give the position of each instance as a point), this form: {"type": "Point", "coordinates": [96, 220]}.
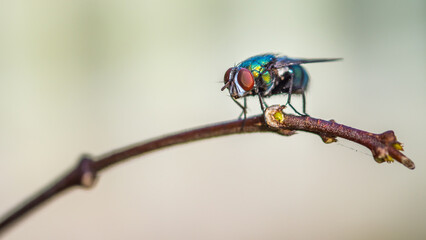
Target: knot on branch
{"type": "Point", "coordinates": [381, 155]}
{"type": "Point", "coordinates": [328, 138]}
{"type": "Point", "coordinates": [87, 173]}
{"type": "Point", "coordinates": [274, 118]}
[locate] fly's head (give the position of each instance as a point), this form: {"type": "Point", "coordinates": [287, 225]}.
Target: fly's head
{"type": "Point", "coordinates": [239, 81]}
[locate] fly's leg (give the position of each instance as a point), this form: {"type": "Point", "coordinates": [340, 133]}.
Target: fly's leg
{"type": "Point", "coordinates": [304, 103]}
{"type": "Point", "coordinates": [290, 90]}
{"type": "Point", "coordinates": [262, 102]}
{"type": "Point", "coordinates": [244, 112]}
{"type": "Point", "coordinates": [294, 109]}
{"type": "Point", "coordinates": [244, 108]}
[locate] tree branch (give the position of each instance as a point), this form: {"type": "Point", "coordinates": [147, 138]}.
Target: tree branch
{"type": "Point", "coordinates": [384, 148]}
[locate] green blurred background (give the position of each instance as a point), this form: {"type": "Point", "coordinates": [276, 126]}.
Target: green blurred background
{"type": "Point", "coordinates": [92, 76]}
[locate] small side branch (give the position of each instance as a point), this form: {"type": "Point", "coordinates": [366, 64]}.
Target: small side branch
{"type": "Point", "coordinates": [384, 148]}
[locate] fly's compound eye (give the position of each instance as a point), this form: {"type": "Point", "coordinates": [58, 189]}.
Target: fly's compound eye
{"type": "Point", "coordinates": [245, 79]}
{"type": "Point", "coordinates": [227, 75]}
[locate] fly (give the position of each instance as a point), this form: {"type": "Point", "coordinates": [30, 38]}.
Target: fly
{"type": "Point", "coordinates": [266, 75]}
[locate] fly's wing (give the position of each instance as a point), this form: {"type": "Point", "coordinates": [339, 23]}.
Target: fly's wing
{"type": "Point", "coordinates": [285, 61]}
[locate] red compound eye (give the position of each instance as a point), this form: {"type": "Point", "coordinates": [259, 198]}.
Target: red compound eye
{"type": "Point", "coordinates": [227, 75]}
{"type": "Point", "coordinates": [245, 79]}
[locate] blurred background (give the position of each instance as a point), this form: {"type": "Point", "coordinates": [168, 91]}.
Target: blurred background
{"type": "Point", "coordinates": [93, 76]}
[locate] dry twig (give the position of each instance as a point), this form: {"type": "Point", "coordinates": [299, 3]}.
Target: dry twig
{"type": "Point", "coordinates": [384, 147]}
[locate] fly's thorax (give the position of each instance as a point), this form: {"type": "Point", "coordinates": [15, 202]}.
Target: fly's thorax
{"type": "Point", "coordinates": [264, 78]}
{"type": "Point", "coordinates": [261, 74]}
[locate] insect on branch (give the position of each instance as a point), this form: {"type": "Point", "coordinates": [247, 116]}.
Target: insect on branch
{"type": "Point", "coordinates": [384, 147]}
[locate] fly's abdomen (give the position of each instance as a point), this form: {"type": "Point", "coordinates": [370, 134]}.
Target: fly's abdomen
{"type": "Point", "coordinates": [300, 78]}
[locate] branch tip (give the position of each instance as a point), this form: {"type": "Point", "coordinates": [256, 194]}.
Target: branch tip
{"type": "Point", "coordinates": [384, 146]}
